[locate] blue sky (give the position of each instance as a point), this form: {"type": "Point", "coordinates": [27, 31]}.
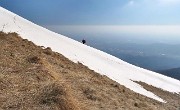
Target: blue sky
{"type": "Point", "coordinates": [97, 12]}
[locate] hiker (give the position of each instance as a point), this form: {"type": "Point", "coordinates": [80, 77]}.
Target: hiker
{"type": "Point", "coordinates": [83, 41]}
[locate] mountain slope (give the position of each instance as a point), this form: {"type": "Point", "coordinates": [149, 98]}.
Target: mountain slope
{"type": "Point", "coordinates": [32, 78]}
{"type": "Point", "coordinates": [96, 60]}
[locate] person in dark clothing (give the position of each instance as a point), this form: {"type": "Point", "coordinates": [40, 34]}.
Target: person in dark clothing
{"type": "Point", "coordinates": [83, 41]}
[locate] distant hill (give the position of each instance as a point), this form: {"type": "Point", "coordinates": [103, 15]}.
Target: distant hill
{"type": "Point", "coordinates": [174, 72]}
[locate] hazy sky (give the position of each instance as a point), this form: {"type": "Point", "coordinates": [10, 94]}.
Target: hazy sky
{"type": "Point", "coordinates": [158, 33]}
{"type": "Point", "coordinates": [97, 12]}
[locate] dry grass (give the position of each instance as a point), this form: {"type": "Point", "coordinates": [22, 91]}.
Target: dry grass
{"type": "Point", "coordinates": [40, 79]}
{"type": "Point", "coordinates": [172, 99]}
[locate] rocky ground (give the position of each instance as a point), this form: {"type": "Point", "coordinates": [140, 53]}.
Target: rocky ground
{"type": "Point", "coordinates": [33, 78]}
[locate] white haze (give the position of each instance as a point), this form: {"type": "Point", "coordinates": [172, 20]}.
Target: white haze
{"type": "Point", "coordinates": [169, 33]}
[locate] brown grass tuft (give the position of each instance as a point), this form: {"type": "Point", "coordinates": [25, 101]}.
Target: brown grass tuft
{"type": "Point", "coordinates": [54, 94]}
{"type": "Point", "coordinates": [48, 51]}
{"type": "Point", "coordinates": [33, 59]}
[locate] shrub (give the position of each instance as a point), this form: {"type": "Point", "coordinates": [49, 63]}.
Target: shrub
{"type": "Point", "coordinates": [89, 94]}
{"type": "Point", "coordinates": [48, 51]}
{"type": "Point", "coordinates": [51, 94]}
{"type": "Point", "coordinates": [34, 59]}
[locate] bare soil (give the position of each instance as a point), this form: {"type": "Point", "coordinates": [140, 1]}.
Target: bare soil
{"type": "Point", "coordinates": [33, 78]}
